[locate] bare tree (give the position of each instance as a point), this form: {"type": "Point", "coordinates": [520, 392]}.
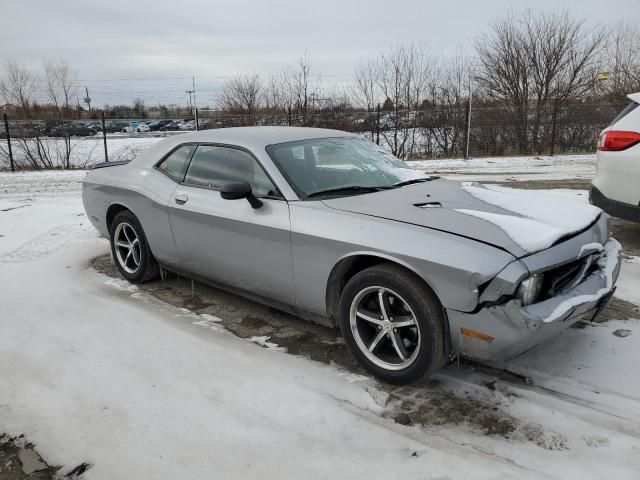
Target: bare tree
{"type": "Point", "coordinates": [278, 99]}
{"type": "Point", "coordinates": [60, 83]}
{"type": "Point", "coordinates": [443, 112]}
{"type": "Point", "coordinates": [622, 59]}
{"type": "Point", "coordinates": [60, 86]}
{"type": "Point", "coordinates": [365, 91]}
{"type": "Point", "coordinates": [297, 80]}
{"type": "Point", "coordinates": [365, 79]}
{"type": "Point", "coordinates": [17, 86]}
{"type": "Point", "coordinates": [400, 77]}
{"type": "Point", "coordinates": [243, 95]}
{"type": "Point", "coordinates": [57, 84]}
{"type": "Point", "coordinates": [535, 64]}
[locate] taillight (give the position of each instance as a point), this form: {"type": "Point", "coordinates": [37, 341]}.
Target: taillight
{"type": "Point", "coordinates": [614, 140]}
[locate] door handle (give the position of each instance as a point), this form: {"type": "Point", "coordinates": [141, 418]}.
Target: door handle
{"type": "Point", "coordinates": [181, 199]}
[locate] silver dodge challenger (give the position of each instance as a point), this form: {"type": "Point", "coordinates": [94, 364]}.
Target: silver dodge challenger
{"type": "Point", "coordinates": [415, 270]}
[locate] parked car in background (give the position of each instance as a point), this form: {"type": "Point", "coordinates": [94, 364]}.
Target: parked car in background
{"type": "Point", "coordinates": [187, 124]}
{"type": "Point", "coordinates": [136, 127]}
{"type": "Point", "coordinates": [24, 129]}
{"type": "Point", "coordinates": [326, 225]}
{"type": "Point", "coordinates": [174, 125]}
{"type": "Point", "coordinates": [159, 124]}
{"type": "Point", "coordinates": [72, 129]}
{"type": "Point", "coordinates": [616, 186]}
{"type": "Point", "coordinates": [115, 126]}
{"type": "Point", "coordinates": [387, 121]}
{"type": "Point", "coordinates": [97, 125]}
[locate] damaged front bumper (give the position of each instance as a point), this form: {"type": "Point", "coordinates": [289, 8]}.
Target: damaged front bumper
{"type": "Point", "coordinates": [509, 329]}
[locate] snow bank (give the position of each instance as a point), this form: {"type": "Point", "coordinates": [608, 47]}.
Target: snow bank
{"type": "Point", "coordinates": [540, 219]}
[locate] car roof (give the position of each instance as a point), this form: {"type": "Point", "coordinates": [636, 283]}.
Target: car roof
{"type": "Point", "coordinates": [263, 135]}
{"type": "Point", "coordinates": [252, 138]}
{"type": "Point", "coordinates": [635, 97]}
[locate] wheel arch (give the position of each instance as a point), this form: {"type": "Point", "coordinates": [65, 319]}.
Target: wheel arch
{"type": "Point", "coordinates": [113, 210]}
{"type": "Point", "coordinates": [351, 264]}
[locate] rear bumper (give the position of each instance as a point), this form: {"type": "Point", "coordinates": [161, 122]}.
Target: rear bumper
{"type": "Point", "coordinates": [614, 208]}
{"type": "Point", "coordinates": [509, 329]}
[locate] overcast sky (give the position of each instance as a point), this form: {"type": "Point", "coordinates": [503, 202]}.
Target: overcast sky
{"type": "Point", "coordinates": [111, 42]}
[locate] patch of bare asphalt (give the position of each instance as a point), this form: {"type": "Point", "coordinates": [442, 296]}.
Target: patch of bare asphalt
{"type": "Point", "coordinates": [569, 183]}
{"type": "Point", "coordinates": [19, 460]}
{"type": "Point", "coordinates": [430, 406]}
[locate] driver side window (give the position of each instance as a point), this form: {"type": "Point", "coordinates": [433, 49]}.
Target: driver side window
{"type": "Point", "coordinates": [213, 166]}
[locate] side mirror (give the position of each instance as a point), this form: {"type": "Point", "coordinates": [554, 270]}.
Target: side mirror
{"type": "Point", "coordinates": [239, 190]}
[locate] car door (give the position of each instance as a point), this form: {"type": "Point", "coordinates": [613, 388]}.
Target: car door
{"type": "Point", "coordinates": [228, 241]}
{"type": "Point", "coordinates": [151, 206]}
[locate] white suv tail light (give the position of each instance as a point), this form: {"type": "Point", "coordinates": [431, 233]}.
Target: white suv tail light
{"type": "Point", "coordinates": [616, 140]}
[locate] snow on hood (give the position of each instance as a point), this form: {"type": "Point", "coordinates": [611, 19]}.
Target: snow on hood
{"type": "Point", "coordinates": [540, 220]}
{"type": "Point", "coordinates": [516, 221]}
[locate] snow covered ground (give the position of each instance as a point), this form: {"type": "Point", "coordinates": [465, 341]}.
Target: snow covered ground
{"type": "Point", "coordinates": [84, 151]}
{"type": "Point", "coordinates": [94, 370]}
{"type": "Point", "coordinates": [502, 169]}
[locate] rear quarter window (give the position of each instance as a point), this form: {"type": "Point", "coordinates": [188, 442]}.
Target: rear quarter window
{"type": "Point", "coordinates": [175, 165]}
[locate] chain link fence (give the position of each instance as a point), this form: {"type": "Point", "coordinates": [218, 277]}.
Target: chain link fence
{"type": "Point", "coordinates": [434, 132]}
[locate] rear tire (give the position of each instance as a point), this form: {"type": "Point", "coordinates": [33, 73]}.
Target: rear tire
{"type": "Point", "coordinates": [130, 249]}
{"type": "Point", "coordinates": [402, 343]}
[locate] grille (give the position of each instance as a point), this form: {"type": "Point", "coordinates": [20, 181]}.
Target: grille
{"type": "Point", "coordinates": [565, 276]}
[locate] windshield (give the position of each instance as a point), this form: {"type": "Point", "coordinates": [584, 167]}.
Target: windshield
{"type": "Point", "coordinates": [324, 164]}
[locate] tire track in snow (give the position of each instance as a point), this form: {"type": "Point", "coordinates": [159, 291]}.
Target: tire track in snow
{"type": "Point", "coordinates": [44, 244]}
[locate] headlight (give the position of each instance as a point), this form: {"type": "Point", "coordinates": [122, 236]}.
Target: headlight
{"type": "Point", "coordinates": [529, 289]}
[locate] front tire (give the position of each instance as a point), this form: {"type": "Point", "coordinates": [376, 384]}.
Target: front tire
{"type": "Point", "coordinates": [393, 324]}
{"type": "Point", "coordinates": [130, 249]}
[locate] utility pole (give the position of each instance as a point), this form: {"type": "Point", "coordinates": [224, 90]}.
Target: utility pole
{"type": "Point", "coordinates": [190, 107]}
{"type": "Point", "coordinates": [378, 124]}
{"type": "Point", "coordinates": [195, 107]}
{"type": "Point", "coordinates": [104, 137]}
{"type": "Point", "coordinates": [87, 99]}
{"type": "Point", "coordinates": [466, 153]}
{"type": "Point", "coordinates": [6, 129]}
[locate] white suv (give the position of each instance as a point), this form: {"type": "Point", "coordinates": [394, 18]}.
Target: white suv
{"type": "Point", "coordinates": [616, 186]}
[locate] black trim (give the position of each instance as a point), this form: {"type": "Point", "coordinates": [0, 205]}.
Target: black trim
{"type": "Point", "coordinates": [621, 210]}
{"type": "Point", "coordinates": [171, 152]}
{"type": "Point", "coordinates": [279, 196]}
{"type": "Point", "coordinates": [109, 164]}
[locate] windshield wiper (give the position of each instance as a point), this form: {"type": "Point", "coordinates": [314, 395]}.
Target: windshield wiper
{"type": "Point", "coordinates": [412, 181]}
{"type": "Point", "coordinates": [356, 189]}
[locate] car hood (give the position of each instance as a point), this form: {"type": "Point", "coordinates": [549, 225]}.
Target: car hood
{"type": "Point", "coordinates": [520, 222]}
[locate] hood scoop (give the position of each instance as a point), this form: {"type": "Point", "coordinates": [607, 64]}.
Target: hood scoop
{"type": "Point", "coordinates": [428, 205]}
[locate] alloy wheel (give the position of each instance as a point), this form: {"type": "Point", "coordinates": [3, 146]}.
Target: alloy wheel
{"type": "Point", "coordinates": [127, 247]}
{"type": "Point", "coordinates": [385, 328]}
